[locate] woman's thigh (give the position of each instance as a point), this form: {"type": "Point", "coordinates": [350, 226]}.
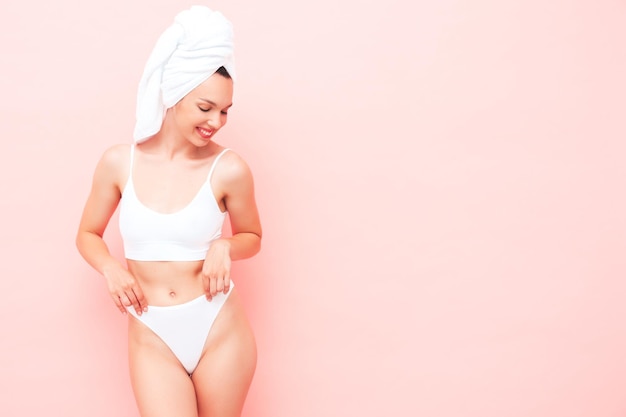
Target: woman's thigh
{"type": "Point", "coordinates": [225, 371]}
{"type": "Point", "coordinates": [161, 385]}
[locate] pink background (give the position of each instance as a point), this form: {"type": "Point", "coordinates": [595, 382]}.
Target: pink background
{"type": "Point", "coordinates": [441, 185]}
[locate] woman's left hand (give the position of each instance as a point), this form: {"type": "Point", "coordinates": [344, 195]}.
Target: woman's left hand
{"type": "Point", "coordinates": [216, 269]}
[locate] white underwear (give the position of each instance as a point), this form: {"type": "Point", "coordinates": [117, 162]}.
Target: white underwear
{"type": "Point", "coordinates": [184, 327]}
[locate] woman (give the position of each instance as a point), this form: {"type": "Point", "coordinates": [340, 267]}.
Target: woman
{"type": "Point", "coordinates": [191, 349]}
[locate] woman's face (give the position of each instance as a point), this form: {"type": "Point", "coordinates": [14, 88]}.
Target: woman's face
{"type": "Point", "coordinates": [202, 112]}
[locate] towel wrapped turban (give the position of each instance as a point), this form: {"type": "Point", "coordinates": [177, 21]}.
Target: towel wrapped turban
{"type": "Point", "coordinates": [198, 43]}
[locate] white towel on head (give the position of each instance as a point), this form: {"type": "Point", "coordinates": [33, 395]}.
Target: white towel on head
{"type": "Point", "coordinates": [199, 42]}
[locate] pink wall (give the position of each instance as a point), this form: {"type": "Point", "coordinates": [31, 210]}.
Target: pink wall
{"type": "Point", "coordinates": [442, 191]}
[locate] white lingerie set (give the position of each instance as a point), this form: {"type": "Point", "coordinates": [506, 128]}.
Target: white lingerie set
{"type": "Point", "coordinates": [184, 235]}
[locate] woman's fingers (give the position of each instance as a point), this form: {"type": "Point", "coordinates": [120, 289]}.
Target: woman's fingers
{"type": "Point", "coordinates": [215, 285]}
{"type": "Point", "coordinates": [130, 300]}
{"type": "Point", "coordinates": [216, 269]}
{"type": "Point", "coordinates": [207, 287]}
{"type": "Point", "coordinates": [125, 300]}
{"type": "Point", "coordinates": [141, 305]}
{"type": "Point", "coordinates": [133, 298]}
{"type": "Point", "coordinates": [118, 302]}
{"type": "Point", "coordinates": [125, 290]}
{"type": "Point", "coordinates": [224, 284]}
{"type": "Point", "coordinates": [219, 285]}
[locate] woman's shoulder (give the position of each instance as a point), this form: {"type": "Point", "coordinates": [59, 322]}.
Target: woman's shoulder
{"type": "Point", "coordinates": [232, 167]}
{"type": "Point", "coordinates": [119, 150]}
{"type": "Point", "coordinates": [231, 160]}
{"type": "Point", "coordinates": [116, 155]}
{"type": "Point", "coordinates": [114, 162]}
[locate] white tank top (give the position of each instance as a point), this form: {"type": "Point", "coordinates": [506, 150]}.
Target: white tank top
{"type": "Point", "coordinates": [184, 235]}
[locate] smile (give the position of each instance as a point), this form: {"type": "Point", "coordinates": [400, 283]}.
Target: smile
{"type": "Point", "coordinates": [205, 133]}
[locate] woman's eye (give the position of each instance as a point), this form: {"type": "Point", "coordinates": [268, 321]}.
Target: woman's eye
{"type": "Point", "coordinates": [225, 113]}
{"type": "Point", "coordinates": [204, 110]}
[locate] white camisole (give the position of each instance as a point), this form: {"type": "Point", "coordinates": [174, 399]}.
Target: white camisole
{"type": "Point", "coordinates": [184, 235]}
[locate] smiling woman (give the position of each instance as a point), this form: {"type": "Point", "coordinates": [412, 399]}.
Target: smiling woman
{"type": "Point", "coordinates": [175, 186]}
{"type": "Point", "coordinates": [205, 108]}
{"type": "Point", "coordinates": [440, 186]}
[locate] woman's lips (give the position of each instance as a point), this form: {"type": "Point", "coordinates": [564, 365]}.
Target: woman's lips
{"type": "Point", "coordinates": [205, 133]}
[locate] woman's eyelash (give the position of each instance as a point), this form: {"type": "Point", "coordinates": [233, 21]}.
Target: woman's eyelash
{"type": "Point", "coordinates": [225, 113]}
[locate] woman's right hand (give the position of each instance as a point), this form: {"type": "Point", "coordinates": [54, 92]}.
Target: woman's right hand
{"type": "Point", "coordinates": [124, 289]}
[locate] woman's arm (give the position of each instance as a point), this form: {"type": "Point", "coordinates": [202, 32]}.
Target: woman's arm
{"type": "Point", "coordinates": [242, 210]}
{"type": "Point", "coordinates": [101, 204]}
{"type": "Point", "coordinates": [236, 181]}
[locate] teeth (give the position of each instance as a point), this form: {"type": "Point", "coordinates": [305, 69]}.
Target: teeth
{"type": "Point", "coordinates": [205, 132]}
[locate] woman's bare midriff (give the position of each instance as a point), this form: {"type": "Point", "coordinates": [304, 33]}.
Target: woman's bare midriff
{"type": "Point", "coordinates": [168, 283]}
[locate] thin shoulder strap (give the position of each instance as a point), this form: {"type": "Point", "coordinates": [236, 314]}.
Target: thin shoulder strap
{"type": "Point", "coordinates": [217, 158]}
{"type": "Point", "coordinates": [129, 179]}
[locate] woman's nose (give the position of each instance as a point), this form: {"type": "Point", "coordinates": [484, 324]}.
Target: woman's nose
{"type": "Point", "coordinates": [214, 120]}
